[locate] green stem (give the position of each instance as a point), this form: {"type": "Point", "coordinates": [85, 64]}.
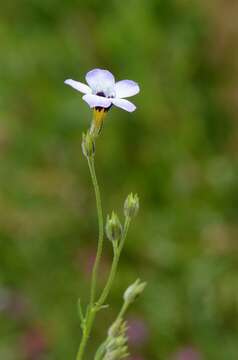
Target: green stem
{"type": "Point", "coordinates": [125, 231]}
{"type": "Point", "coordinates": [123, 310]}
{"type": "Point", "coordinates": [86, 332]}
{"type": "Point", "coordinates": [106, 290]}
{"type": "Point", "coordinates": [90, 316]}
{"type": "Point", "coordinates": [117, 253]}
{"type": "Point", "coordinates": [92, 309]}
{"type": "Point", "coordinates": [100, 352]}
{"type": "Point", "coordinates": [100, 230]}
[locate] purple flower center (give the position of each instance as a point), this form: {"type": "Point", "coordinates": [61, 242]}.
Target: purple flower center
{"type": "Point", "coordinates": [101, 93]}
{"type": "Point", "coordinates": [100, 108]}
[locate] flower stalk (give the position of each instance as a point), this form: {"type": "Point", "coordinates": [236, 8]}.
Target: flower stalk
{"type": "Point", "coordinates": [118, 237]}
{"type": "Point", "coordinates": [115, 346]}
{"type": "Point", "coordinates": [116, 258]}
{"type": "Point", "coordinates": [101, 93]}
{"type": "Point", "coordinates": [100, 229]}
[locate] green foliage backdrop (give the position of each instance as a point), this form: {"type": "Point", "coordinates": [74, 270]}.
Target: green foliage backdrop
{"type": "Point", "coordinates": [178, 151]}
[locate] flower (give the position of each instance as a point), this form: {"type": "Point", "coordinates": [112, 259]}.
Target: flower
{"type": "Point", "coordinates": [102, 91]}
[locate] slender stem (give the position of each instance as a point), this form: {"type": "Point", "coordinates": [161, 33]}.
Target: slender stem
{"type": "Point", "coordinates": [92, 309]}
{"type": "Point", "coordinates": [100, 352]}
{"type": "Point", "coordinates": [86, 333]}
{"type": "Point", "coordinates": [117, 253]}
{"type": "Point", "coordinates": [122, 311]}
{"type": "Point", "coordinates": [125, 231]}
{"type": "Point", "coordinates": [91, 312]}
{"type": "Point", "coordinates": [110, 279]}
{"type": "Point", "coordinates": [100, 230]}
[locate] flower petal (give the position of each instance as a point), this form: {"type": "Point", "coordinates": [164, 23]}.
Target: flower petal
{"type": "Point", "coordinates": [95, 100]}
{"type": "Point", "coordinates": [124, 104]}
{"type": "Point", "coordinates": [83, 88]}
{"type": "Point", "coordinates": [126, 88]}
{"type": "Point", "coordinates": [98, 79]}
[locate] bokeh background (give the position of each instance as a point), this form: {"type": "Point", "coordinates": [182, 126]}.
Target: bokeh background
{"type": "Point", "coordinates": [178, 151]}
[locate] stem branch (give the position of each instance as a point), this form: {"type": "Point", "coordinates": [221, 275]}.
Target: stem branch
{"type": "Point", "coordinates": [117, 253]}
{"type": "Point", "coordinates": [91, 312]}
{"type": "Point", "coordinates": [86, 333]}
{"type": "Point", "coordinates": [93, 308]}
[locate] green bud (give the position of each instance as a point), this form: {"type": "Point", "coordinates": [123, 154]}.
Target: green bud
{"type": "Point", "coordinates": [113, 227]}
{"type": "Point", "coordinates": [88, 145]}
{"type": "Point", "coordinates": [116, 342]}
{"type": "Point", "coordinates": [117, 354]}
{"type": "Point", "coordinates": [117, 328]}
{"type": "Point", "coordinates": [133, 291]}
{"type": "Point", "coordinates": [131, 205]}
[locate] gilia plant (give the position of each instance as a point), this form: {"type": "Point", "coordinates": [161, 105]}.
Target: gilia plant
{"type": "Point", "coordinates": [101, 93]}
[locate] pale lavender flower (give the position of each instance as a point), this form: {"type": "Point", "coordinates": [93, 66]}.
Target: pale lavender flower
{"type": "Point", "coordinates": [102, 91]}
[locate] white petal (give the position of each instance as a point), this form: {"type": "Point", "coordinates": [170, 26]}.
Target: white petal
{"type": "Point", "coordinates": [126, 88]}
{"type": "Point", "coordinates": [83, 88]}
{"type": "Point", "coordinates": [124, 104]}
{"type": "Point", "coordinates": [99, 79]}
{"type": "Point", "coordinates": [95, 100]}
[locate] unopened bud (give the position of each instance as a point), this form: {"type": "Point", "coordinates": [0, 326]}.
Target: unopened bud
{"type": "Point", "coordinates": [117, 328]}
{"type": "Point", "coordinates": [131, 205]}
{"type": "Point", "coordinates": [117, 354]}
{"type": "Point", "coordinates": [113, 227]}
{"type": "Point", "coordinates": [88, 145]}
{"type": "Point", "coordinates": [116, 343]}
{"type": "Point", "coordinates": [133, 291]}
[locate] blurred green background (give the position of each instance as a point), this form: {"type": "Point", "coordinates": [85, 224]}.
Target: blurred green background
{"type": "Point", "coordinates": [178, 151]}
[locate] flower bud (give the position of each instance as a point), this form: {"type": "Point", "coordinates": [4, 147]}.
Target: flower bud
{"type": "Point", "coordinates": [133, 291]}
{"type": "Point", "coordinates": [113, 227]}
{"type": "Point", "coordinates": [113, 343]}
{"type": "Point", "coordinates": [116, 342]}
{"type": "Point", "coordinates": [131, 205]}
{"type": "Point", "coordinates": [117, 354]}
{"type": "Point", "coordinates": [117, 328]}
{"type": "Point", "coordinates": [88, 145]}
